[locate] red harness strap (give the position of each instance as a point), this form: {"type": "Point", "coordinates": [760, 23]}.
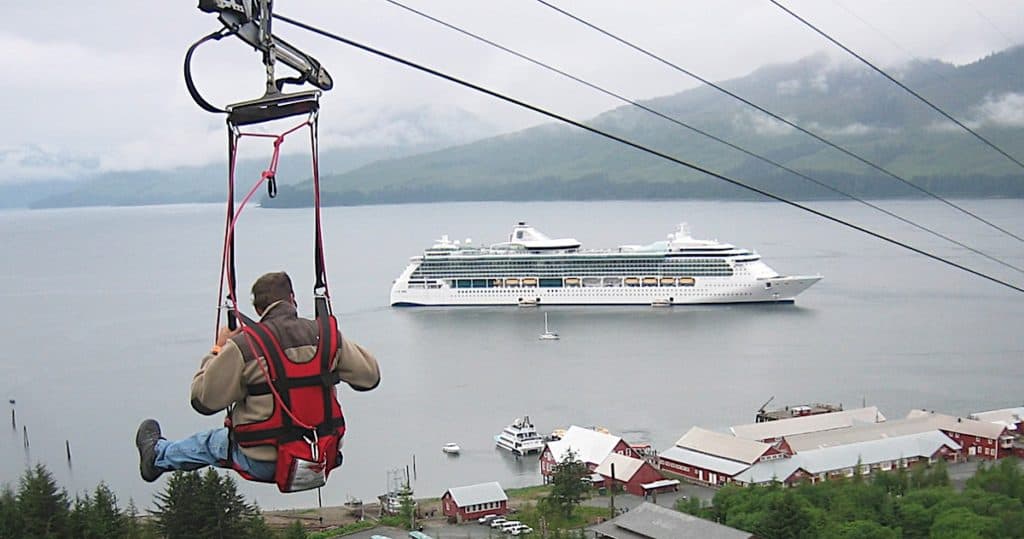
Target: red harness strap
{"type": "Point", "coordinates": [307, 424]}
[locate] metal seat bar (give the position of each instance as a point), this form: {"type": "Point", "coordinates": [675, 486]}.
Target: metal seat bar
{"type": "Point", "coordinates": [273, 107]}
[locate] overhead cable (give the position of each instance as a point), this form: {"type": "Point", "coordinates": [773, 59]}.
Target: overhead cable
{"type": "Point", "coordinates": [817, 137]}
{"type": "Point", "coordinates": [878, 70]}
{"type": "Point", "coordinates": [700, 132]}
{"type": "Point", "coordinates": [635, 145]}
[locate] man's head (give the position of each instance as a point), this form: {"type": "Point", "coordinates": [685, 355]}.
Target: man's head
{"type": "Point", "coordinates": [271, 288]}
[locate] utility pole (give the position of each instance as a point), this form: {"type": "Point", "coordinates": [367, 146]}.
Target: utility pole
{"type": "Point", "coordinates": [611, 489]}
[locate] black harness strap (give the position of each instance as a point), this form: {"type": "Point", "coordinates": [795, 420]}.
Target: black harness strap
{"type": "Point", "coordinates": [290, 434]}
{"type": "Point", "coordinates": [305, 381]}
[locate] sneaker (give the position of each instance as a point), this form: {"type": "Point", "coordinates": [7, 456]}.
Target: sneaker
{"type": "Point", "coordinates": [145, 439]}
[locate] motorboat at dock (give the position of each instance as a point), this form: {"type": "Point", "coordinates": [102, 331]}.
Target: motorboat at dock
{"type": "Point", "coordinates": [520, 438]}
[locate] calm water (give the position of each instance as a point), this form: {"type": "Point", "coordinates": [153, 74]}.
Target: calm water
{"type": "Point", "coordinates": [107, 312]}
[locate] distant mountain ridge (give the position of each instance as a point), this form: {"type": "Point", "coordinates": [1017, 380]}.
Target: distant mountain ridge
{"type": "Point", "coordinates": [378, 134]}
{"type": "Point", "coordinates": [845, 103]}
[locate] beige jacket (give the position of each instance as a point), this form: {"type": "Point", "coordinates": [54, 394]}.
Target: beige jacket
{"type": "Point", "coordinates": [223, 378]}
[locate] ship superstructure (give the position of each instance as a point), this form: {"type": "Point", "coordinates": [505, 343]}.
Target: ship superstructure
{"type": "Point", "coordinates": [532, 268]}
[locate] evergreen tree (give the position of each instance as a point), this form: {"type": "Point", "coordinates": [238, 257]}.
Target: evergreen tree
{"type": "Point", "coordinates": [567, 485]}
{"type": "Point", "coordinates": [1003, 478]}
{"type": "Point", "coordinates": [135, 526]}
{"type": "Point", "coordinates": [103, 518]}
{"type": "Point", "coordinates": [11, 524]}
{"type": "Point", "coordinates": [77, 520]}
{"type": "Point", "coordinates": [204, 507]}
{"type": "Point", "coordinates": [294, 531]}
{"type": "Point", "coordinates": [786, 518]}
{"type": "Point", "coordinates": [406, 507]}
{"type": "Point", "coordinates": [865, 529]}
{"type": "Point", "coordinates": [44, 508]}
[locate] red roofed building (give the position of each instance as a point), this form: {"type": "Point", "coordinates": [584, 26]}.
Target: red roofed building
{"type": "Point", "coordinates": [632, 474]}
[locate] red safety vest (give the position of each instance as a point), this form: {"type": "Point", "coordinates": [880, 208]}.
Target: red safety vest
{"type": "Point", "coordinates": [307, 424]}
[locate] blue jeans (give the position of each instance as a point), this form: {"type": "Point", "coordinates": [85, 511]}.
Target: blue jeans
{"type": "Point", "coordinates": [209, 448]}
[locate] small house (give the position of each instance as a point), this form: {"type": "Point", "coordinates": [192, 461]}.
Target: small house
{"type": "Point", "coordinates": [474, 501]}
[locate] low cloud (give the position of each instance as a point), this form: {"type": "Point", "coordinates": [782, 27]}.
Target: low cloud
{"type": "Point", "coordinates": [854, 129]}
{"type": "Point", "coordinates": [1006, 110]}
{"type": "Point", "coordinates": [788, 87]}
{"type": "Point", "coordinates": [30, 163]}
{"type": "Point", "coordinates": [760, 124]}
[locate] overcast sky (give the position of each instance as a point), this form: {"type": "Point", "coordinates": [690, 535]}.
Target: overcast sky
{"type": "Point", "coordinates": [98, 85]}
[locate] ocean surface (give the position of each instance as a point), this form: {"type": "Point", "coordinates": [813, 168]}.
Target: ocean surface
{"type": "Point", "coordinates": [107, 311]}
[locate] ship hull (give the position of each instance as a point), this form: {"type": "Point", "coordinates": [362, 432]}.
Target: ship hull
{"type": "Point", "coordinates": [782, 289]}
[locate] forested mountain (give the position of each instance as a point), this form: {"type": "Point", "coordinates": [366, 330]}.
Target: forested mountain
{"type": "Point", "coordinates": [843, 102]}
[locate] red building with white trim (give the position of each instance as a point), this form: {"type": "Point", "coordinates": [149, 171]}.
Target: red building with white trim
{"type": "Point", "coordinates": [590, 447]}
{"type": "Point", "coordinates": [630, 473]}
{"type": "Point", "coordinates": [979, 439]}
{"type": "Point", "coordinates": [712, 458]}
{"type": "Point", "coordinates": [474, 501]}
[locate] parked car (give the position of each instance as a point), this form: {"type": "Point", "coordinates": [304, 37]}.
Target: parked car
{"type": "Point", "coordinates": [510, 525]}
{"type": "Point", "coordinates": [486, 519]}
{"type": "Point", "coordinates": [497, 522]}
{"type": "Point", "coordinates": [522, 530]}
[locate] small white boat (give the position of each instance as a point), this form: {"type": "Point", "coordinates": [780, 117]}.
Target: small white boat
{"type": "Point", "coordinates": [451, 448]}
{"type": "Point", "coordinates": [662, 302]}
{"type": "Point", "coordinates": [548, 335]}
{"type": "Point", "coordinates": [527, 302]}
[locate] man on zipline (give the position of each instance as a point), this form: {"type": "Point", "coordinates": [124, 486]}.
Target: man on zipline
{"type": "Point", "coordinates": [233, 376]}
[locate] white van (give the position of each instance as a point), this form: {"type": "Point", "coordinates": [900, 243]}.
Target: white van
{"type": "Point", "coordinates": [510, 525]}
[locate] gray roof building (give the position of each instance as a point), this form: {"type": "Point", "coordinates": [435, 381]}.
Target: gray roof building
{"type": "Point", "coordinates": [705, 461]}
{"type": "Point", "coordinates": [916, 423]}
{"type": "Point", "coordinates": [477, 494]}
{"type": "Point", "coordinates": [889, 452]}
{"type": "Point", "coordinates": [723, 445]}
{"type": "Point", "coordinates": [649, 521]}
{"type": "Point", "coordinates": [770, 430]}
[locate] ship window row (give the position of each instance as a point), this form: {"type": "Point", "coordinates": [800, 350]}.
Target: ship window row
{"type": "Point", "coordinates": [568, 271]}
{"type": "Point", "coordinates": [625, 272]}
{"type": "Point", "coordinates": [572, 263]}
{"type": "Point", "coordinates": [562, 276]}
{"type": "Point", "coordinates": [560, 283]}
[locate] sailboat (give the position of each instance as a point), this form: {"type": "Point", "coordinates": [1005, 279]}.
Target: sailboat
{"type": "Point", "coordinates": [547, 335]}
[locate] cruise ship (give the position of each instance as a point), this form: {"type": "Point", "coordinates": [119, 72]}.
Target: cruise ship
{"type": "Point", "coordinates": [532, 269]}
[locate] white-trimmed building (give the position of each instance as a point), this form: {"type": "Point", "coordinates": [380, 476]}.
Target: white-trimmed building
{"type": "Point", "coordinates": [1011, 418]}
{"type": "Point", "coordinates": [590, 447]}
{"type": "Point", "coordinates": [880, 454]}
{"type": "Point", "coordinates": [474, 501]}
{"type": "Point", "coordinates": [713, 458]}
{"type": "Point", "coordinates": [981, 439]}
{"type": "Point", "coordinates": [636, 476]}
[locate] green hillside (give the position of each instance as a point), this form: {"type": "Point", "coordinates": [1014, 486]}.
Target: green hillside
{"type": "Point", "coordinates": [848, 104]}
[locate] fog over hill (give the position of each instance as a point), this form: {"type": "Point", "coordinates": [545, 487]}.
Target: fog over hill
{"type": "Point", "coordinates": [374, 135]}
{"type": "Point", "coordinates": [428, 154]}
{"type": "Point", "coordinates": [841, 101]}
